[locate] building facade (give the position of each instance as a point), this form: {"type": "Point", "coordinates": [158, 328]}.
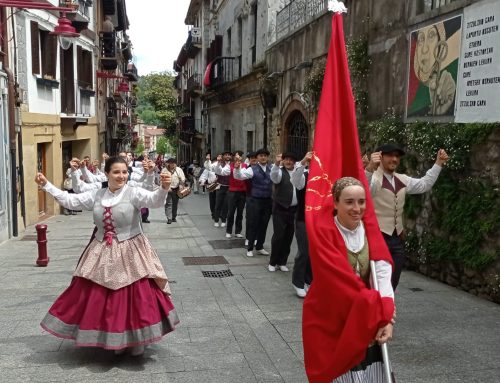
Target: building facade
{"type": "Point", "coordinates": [60, 88]}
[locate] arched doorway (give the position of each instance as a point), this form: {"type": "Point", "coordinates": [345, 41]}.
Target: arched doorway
{"type": "Point", "coordinates": [297, 138]}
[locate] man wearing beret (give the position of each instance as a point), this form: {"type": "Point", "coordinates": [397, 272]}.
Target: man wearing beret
{"type": "Point", "coordinates": [284, 208]}
{"type": "Point", "coordinates": [259, 204]}
{"type": "Point", "coordinates": [388, 190]}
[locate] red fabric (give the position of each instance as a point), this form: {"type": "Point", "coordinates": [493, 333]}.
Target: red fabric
{"type": "Point", "coordinates": [237, 185]}
{"type": "Point", "coordinates": [341, 315]}
{"type": "Point", "coordinates": [206, 76]}
{"type": "Point", "coordinates": [94, 307]}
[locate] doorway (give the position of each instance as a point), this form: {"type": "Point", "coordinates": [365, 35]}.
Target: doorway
{"type": "Point", "coordinates": [297, 139]}
{"type": "Point", "coordinates": [41, 165]}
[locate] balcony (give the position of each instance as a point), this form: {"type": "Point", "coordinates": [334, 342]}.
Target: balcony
{"type": "Point", "coordinates": [131, 72]}
{"type": "Point", "coordinates": [193, 43]}
{"type": "Point", "coordinates": [81, 9]}
{"type": "Point", "coordinates": [296, 14]}
{"type": "Point", "coordinates": [194, 84]}
{"type": "Point", "coordinates": [224, 70]}
{"type": "Point", "coordinates": [108, 52]}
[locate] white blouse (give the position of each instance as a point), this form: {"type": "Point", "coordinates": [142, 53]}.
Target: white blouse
{"type": "Point", "coordinates": [85, 201]}
{"type": "Point", "coordinates": [354, 241]}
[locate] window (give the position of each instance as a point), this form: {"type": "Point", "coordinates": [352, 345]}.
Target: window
{"type": "Point", "coordinates": [227, 140]}
{"type": "Point", "coordinates": [240, 45]}
{"type": "Point", "coordinates": [428, 5]}
{"type": "Point", "coordinates": [249, 140]}
{"type": "Point", "coordinates": [228, 42]}
{"type": "Point", "coordinates": [43, 52]}
{"type": "Point", "coordinates": [254, 36]}
{"type": "Point", "coordinates": [84, 67]}
{"type": "Point", "coordinates": [67, 81]}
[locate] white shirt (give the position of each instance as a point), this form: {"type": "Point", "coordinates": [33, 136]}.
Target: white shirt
{"type": "Point", "coordinates": [247, 173]}
{"type": "Point", "coordinates": [354, 241]}
{"type": "Point", "coordinates": [413, 185]}
{"type": "Point", "coordinates": [297, 177]}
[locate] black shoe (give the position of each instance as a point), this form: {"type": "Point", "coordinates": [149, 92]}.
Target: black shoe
{"type": "Point", "coordinates": [174, 220]}
{"type": "Point", "coordinates": [146, 220]}
{"type": "Point", "coordinates": [169, 221]}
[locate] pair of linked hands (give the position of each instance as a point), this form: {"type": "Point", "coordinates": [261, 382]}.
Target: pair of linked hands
{"type": "Point", "coordinates": [148, 165]}
{"type": "Point", "coordinates": [371, 164]}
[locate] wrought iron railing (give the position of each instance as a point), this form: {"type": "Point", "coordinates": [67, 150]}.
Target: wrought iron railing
{"type": "Point", "coordinates": [194, 83]}
{"type": "Point", "coordinates": [225, 70]}
{"type": "Point", "coordinates": [296, 14]}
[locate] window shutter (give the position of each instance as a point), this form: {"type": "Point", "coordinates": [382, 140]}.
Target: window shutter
{"type": "Point", "coordinates": [35, 48]}
{"type": "Point", "coordinates": [79, 66]}
{"type": "Point", "coordinates": [51, 58]}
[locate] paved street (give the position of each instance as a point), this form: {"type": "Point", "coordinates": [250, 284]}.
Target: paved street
{"type": "Point", "coordinates": [241, 328]}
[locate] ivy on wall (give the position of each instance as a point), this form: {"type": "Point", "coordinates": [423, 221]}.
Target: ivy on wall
{"type": "Point", "coordinates": [465, 209]}
{"type": "Point", "coordinates": [359, 67]}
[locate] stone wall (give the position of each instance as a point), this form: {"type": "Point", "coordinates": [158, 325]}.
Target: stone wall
{"type": "Point", "coordinates": [485, 283]}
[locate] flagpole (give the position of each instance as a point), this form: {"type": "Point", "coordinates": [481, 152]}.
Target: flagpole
{"type": "Point", "coordinates": [389, 374]}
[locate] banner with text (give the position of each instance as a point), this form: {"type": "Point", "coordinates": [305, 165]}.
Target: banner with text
{"type": "Point", "coordinates": [478, 94]}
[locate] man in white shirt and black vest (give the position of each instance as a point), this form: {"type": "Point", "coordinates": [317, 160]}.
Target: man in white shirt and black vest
{"type": "Point", "coordinates": [259, 203]}
{"type": "Point", "coordinates": [388, 190]}
{"type": "Point", "coordinates": [284, 209]}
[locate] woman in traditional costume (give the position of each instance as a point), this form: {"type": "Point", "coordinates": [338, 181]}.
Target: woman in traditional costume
{"type": "Point", "coordinates": [350, 204]}
{"type": "Point", "coordinates": [119, 296]}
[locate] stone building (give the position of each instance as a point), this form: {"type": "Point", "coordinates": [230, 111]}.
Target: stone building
{"type": "Point", "coordinates": [223, 63]}
{"type": "Point", "coordinates": [62, 86]}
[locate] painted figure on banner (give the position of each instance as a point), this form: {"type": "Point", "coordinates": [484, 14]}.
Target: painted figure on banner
{"type": "Point", "coordinates": [432, 83]}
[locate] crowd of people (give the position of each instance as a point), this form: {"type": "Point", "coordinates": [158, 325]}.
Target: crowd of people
{"type": "Point", "coordinates": [119, 297]}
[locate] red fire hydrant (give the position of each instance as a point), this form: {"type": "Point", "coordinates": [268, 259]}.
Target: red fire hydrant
{"type": "Point", "coordinates": [41, 233]}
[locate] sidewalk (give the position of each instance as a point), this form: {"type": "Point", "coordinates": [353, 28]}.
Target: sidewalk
{"type": "Point", "coordinates": [235, 329]}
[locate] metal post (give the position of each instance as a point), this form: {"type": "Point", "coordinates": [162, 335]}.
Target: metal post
{"type": "Point", "coordinates": [389, 375]}
{"type": "Point", "coordinates": [41, 232]}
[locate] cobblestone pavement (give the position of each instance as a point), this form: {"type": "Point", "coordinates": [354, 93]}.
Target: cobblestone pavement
{"type": "Point", "coordinates": [244, 328]}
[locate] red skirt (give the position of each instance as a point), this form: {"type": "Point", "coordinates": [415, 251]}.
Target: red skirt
{"type": "Point", "coordinates": [95, 316]}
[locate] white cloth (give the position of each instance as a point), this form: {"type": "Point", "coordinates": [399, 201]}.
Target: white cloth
{"type": "Point", "coordinates": [354, 241]}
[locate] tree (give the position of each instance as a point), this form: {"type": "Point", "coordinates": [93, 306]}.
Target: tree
{"type": "Point", "coordinates": [139, 149]}
{"type": "Point", "coordinates": [162, 146]}
{"type": "Point", "coordinates": [157, 101]}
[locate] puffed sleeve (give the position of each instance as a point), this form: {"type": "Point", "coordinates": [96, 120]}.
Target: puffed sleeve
{"type": "Point", "coordinates": [144, 198]}
{"type": "Point", "coordinates": [82, 201]}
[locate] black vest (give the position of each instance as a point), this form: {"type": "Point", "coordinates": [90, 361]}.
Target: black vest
{"type": "Point", "coordinates": [301, 201]}
{"type": "Point", "coordinates": [283, 192]}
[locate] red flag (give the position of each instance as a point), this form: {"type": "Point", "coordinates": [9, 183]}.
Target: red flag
{"type": "Point", "coordinates": [341, 315]}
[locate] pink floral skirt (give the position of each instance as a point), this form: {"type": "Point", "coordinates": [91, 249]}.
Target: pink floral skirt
{"type": "Point", "coordinates": [95, 316]}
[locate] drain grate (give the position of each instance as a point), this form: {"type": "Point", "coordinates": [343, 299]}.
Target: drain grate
{"type": "Point", "coordinates": [191, 261]}
{"type": "Point", "coordinates": [226, 244]}
{"type": "Point", "coordinates": [416, 289]}
{"type": "Point", "coordinates": [217, 274]}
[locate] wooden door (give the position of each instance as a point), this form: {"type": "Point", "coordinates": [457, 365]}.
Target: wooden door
{"type": "Point", "coordinates": [41, 167]}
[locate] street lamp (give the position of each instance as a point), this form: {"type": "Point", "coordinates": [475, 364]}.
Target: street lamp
{"type": "Point", "coordinates": [65, 32]}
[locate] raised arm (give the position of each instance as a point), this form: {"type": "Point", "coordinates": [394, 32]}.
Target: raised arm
{"type": "Point", "coordinates": [83, 201]}
{"type": "Point", "coordinates": [145, 198]}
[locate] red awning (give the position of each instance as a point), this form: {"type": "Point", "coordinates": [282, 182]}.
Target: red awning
{"type": "Point", "coordinates": [33, 4]}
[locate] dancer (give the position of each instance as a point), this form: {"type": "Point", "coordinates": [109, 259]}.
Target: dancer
{"type": "Point", "coordinates": [259, 205]}
{"type": "Point", "coordinates": [236, 196]}
{"type": "Point", "coordinates": [119, 296]}
{"type": "Point", "coordinates": [350, 203]}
